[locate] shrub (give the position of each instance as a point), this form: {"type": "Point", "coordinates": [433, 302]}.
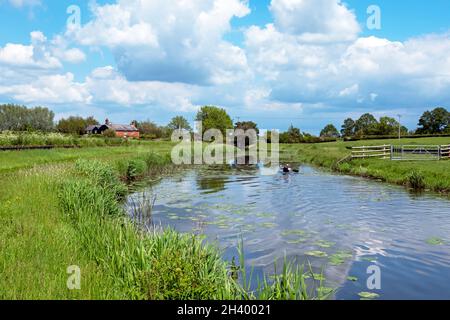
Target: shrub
{"type": "Point", "coordinates": [416, 181]}
{"type": "Point", "coordinates": [136, 168]}
{"type": "Point", "coordinates": [102, 175]}
{"type": "Point", "coordinates": [184, 268]}
{"type": "Point", "coordinates": [110, 133]}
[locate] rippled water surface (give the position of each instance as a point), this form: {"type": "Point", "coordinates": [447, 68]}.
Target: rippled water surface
{"type": "Point", "coordinates": [354, 223]}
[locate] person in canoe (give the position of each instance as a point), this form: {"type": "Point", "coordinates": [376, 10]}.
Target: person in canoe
{"type": "Point", "coordinates": [287, 169]}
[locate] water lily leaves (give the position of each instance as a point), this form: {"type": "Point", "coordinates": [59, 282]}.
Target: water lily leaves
{"type": "Point", "coordinates": [324, 291]}
{"type": "Point", "coordinates": [316, 253]}
{"type": "Point", "coordinates": [368, 295]}
{"type": "Point", "coordinates": [297, 241]}
{"type": "Point", "coordinates": [435, 241]}
{"type": "Point", "coordinates": [268, 225]}
{"type": "Point", "coordinates": [352, 279]}
{"type": "Point", "coordinates": [286, 233]}
{"type": "Point", "coordinates": [319, 277]}
{"type": "Point", "coordinates": [324, 244]}
{"type": "Point", "coordinates": [264, 215]}
{"type": "Point", "coordinates": [340, 257]}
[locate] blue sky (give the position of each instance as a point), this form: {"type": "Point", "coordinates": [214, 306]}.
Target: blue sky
{"type": "Point", "coordinates": [278, 62]}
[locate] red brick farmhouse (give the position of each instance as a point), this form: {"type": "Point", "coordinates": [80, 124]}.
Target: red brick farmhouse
{"type": "Point", "coordinates": [122, 130]}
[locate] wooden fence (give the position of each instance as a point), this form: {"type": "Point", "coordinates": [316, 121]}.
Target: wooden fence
{"type": "Point", "coordinates": [381, 152]}
{"type": "Point", "coordinates": [445, 152]}
{"type": "Point", "coordinates": [402, 152]}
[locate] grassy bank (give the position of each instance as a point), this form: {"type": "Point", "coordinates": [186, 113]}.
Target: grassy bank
{"type": "Point", "coordinates": [431, 175]}
{"type": "Point", "coordinates": [71, 214]}
{"type": "Point", "coordinates": [11, 161]}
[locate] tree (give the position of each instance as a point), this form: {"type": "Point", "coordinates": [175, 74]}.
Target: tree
{"type": "Point", "coordinates": [387, 126]}
{"type": "Point", "coordinates": [75, 125]}
{"type": "Point", "coordinates": [247, 125]}
{"type": "Point", "coordinates": [348, 128]}
{"type": "Point", "coordinates": [110, 133]}
{"type": "Point", "coordinates": [20, 118]}
{"type": "Point", "coordinates": [179, 122]}
{"type": "Point", "coordinates": [214, 118]}
{"type": "Point", "coordinates": [150, 129]}
{"type": "Point", "coordinates": [292, 135]}
{"type": "Point", "coordinates": [329, 131]}
{"type": "Point", "coordinates": [434, 122]}
{"type": "Point", "coordinates": [366, 125]}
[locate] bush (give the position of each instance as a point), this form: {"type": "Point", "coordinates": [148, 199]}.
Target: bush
{"type": "Point", "coordinates": [102, 175]}
{"type": "Point", "coordinates": [110, 133]}
{"type": "Point", "coordinates": [183, 269]}
{"type": "Point", "coordinates": [416, 181]}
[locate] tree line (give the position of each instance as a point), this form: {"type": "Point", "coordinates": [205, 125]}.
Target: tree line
{"type": "Point", "coordinates": [434, 122]}
{"type": "Point", "coordinates": [21, 118]}
{"type": "Point", "coordinates": [39, 119]}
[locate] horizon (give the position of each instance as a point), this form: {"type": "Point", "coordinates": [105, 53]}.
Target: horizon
{"type": "Point", "coordinates": [277, 63]}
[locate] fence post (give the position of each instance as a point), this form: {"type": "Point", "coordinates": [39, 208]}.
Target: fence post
{"type": "Point", "coordinates": [392, 152]}
{"type": "Point", "coordinates": [439, 153]}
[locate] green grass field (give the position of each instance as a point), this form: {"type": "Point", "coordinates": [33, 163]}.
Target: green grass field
{"type": "Point", "coordinates": [434, 175]}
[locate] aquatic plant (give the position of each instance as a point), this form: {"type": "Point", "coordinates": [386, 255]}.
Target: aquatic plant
{"type": "Point", "coordinates": [368, 295]}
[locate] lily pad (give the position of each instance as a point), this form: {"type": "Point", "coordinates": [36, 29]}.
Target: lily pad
{"type": "Point", "coordinates": [297, 241]}
{"type": "Point", "coordinates": [324, 244]}
{"type": "Point", "coordinates": [268, 225]}
{"type": "Point", "coordinates": [435, 241]}
{"type": "Point", "coordinates": [319, 277]}
{"type": "Point", "coordinates": [286, 233]}
{"type": "Point", "coordinates": [316, 253]}
{"type": "Point", "coordinates": [340, 257]}
{"type": "Point", "coordinates": [368, 295]}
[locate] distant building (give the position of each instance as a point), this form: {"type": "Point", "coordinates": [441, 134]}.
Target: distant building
{"type": "Point", "coordinates": [122, 130]}
{"type": "Point", "coordinates": [92, 129]}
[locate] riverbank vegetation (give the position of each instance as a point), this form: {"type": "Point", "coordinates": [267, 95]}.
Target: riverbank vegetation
{"type": "Point", "coordinates": [66, 214]}
{"type": "Point", "coordinates": [431, 175]}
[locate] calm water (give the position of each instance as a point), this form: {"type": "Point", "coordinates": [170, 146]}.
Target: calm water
{"type": "Point", "coordinates": [355, 222]}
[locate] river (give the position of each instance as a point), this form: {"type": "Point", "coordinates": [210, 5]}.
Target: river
{"type": "Point", "coordinates": [342, 225]}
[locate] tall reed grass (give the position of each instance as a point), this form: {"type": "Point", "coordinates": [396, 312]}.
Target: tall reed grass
{"type": "Point", "coordinates": [13, 139]}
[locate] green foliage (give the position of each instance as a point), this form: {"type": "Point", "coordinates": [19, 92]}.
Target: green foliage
{"type": "Point", "coordinates": [35, 139]}
{"type": "Point", "coordinates": [109, 133]}
{"type": "Point", "coordinates": [247, 125]}
{"type": "Point", "coordinates": [330, 131]}
{"type": "Point", "coordinates": [75, 125]}
{"type": "Point", "coordinates": [416, 180]}
{"type": "Point", "coordinates": [292, 135]}
{"type": "Point", "coordinates": [366, 125]}
{"type": "Point", "coordinates": [179, 122]}
{"type": "Point", "coordinates": [214, 118]}
{"type": "Point", "coordinates": [184, 268]}
{"type": "Point", "coordinates": [150, 130]}
{"type": "Point", "coordinates": [348, 128]}
{"type": "Point", "coordinates": [434, 122]}
{"type": "Point", "coordinates": [103, 175]}
{"type": "Point", "coordinates": [20, 118]}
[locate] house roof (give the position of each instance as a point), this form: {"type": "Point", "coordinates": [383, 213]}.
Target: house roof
{"type": "Point", "coordinates": [92, 127]}
{"type": "Point", "coordinates": [122, 127]}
